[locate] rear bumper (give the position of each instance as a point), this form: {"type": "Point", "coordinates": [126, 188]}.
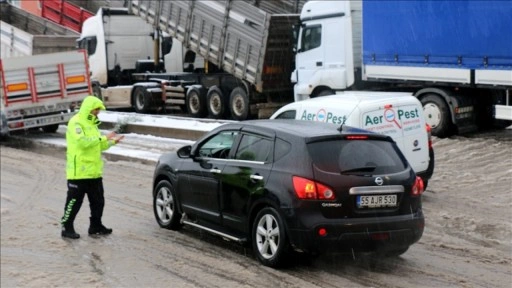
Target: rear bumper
{"type": "Point", "coordinates": [359, 234]}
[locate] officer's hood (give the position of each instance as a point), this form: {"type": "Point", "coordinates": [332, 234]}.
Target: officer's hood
{"type": "Point", "coordinates": [90, 103]}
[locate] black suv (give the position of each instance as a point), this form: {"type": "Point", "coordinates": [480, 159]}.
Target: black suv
{"type": "Point", "coordinates": [290, 185]}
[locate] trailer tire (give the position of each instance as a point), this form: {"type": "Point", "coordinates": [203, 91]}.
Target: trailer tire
{"type": "Point", "coordinates": [216, 104]}
{"type": "Point", "coordinates": [196, 102]}
{"type": "Point", "coordinates": [50, 128]}
{"type": "Point", "coordinates": [141, 100]}
{"type": "Point", "coordinates": [437, 115]}
{"type": "Point", "coordinates": [325, 92]}
{"type": "Point", "coordinates": [239, 104]}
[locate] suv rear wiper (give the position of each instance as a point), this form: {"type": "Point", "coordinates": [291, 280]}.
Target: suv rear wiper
{"type": "Point", "coordinates": [359, 169]}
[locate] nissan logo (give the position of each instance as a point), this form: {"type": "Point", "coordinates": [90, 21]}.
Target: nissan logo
{"type": "Point", "coordinates": [379, 181]}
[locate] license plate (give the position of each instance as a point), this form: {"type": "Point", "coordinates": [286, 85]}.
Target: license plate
{"type": "Point", "coordinates": [376, 201]}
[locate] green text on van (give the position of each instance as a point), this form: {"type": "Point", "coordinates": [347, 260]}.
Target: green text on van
{"type": "Point", "coordinates": [329, 118]}
{"type": "Point", "coordinates": [402, 114]}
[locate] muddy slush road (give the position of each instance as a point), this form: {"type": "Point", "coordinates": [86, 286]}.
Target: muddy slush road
{"type": "Point", "coordinates": [467, 240]}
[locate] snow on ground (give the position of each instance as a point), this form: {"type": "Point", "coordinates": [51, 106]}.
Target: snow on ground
{"type": "Point", "coordinates": [138, 146]}
{"type": "Point", "coordinates": [160, 120]}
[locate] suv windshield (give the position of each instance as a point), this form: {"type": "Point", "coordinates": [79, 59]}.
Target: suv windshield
{"type": "Point", "coordinates": [357, 156]}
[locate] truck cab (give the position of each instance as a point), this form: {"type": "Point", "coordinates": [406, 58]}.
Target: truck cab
{"type": "Point", "coordinates": [114, 41]}
{"type": "Point", "coordinates": [120, 45]}
{"type": "Point", "coordinates": [323, 65]}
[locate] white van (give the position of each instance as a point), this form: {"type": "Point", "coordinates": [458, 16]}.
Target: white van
{"type": "Point", "coordinates": [396, 114]}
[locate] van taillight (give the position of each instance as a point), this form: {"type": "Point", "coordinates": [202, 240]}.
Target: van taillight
{"type": "Point", "coordinates": [308, 189]}
{"type": "Point", "coordinates": [357, 137]}
{"type": "Point", "coordinates": [418, 187]}
{"type": "Point", "coordinates": [429, 133]}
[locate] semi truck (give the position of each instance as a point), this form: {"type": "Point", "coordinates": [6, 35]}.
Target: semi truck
{"type": "Point", "coordinates": [42, 91]}
{"type": "Point", "coordinates": [121, 49]}
{"type": "Point", "coordinates": [246, 47]}
{"type": "Point", "coordinates": [454, 56]}
{"type": "Point", "coordinates": [23, 34]}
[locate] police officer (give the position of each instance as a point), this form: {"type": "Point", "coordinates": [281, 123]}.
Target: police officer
{"type": "Point", "coordinates": [84, 167]}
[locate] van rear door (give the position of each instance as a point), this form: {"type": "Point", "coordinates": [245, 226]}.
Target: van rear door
{"type": "Point", "coordinates": [405, 123]}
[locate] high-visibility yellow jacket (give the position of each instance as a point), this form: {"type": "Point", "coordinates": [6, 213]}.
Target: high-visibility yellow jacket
{"type": "Point", "coordinates": [85, 142]}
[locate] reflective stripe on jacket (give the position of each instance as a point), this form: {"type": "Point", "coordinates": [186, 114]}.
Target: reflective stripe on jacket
{"type": "Point", "coordinates": [85, 142]}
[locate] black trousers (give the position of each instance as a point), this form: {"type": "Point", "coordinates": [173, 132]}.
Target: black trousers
{"type": "Point", "coordinates": [76, 193]}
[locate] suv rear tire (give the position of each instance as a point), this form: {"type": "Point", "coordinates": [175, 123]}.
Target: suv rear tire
{"type": "Point", "coordinates": [269, 240]}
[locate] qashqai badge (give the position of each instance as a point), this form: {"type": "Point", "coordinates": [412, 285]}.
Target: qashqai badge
{"type": "Point", "coordinates": [379, 181]}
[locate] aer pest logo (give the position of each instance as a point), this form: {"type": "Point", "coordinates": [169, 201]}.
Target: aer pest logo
{"type": "Point", "coordinates": [321, 115]}
{"type": "Point", "coordinates": [390, 116]}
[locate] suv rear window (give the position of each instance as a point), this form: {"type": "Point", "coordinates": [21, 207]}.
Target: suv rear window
{"type": "Point", "coordinates": [356, 156]}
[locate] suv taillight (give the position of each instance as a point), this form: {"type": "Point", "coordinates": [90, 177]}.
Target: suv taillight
{"type": "Point", "coordinates": [308, 189]}
{"type": "Point", "coordinates": [418, 187]}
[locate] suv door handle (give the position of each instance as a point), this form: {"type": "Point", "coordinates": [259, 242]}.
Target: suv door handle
{"type": "Point", "coordinates": [256, 177]}
{"type": "Point", "coordinates": [215, 170]}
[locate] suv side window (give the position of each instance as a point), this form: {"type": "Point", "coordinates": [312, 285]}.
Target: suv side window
{"type": "Point", "coordinates": [219, 145]}
{"type": "Point", "coordinates": [254, 148]}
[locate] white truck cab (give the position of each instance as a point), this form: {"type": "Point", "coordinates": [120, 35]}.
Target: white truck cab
{"type": "Point", "coordinates": [396, 114]}
{"type": "Point", "coordinates": [325, 58]}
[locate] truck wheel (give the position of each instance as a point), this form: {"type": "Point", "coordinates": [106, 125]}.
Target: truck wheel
{"type": "Point", "coordinates": [239, 104]}
{"type": "Point", "coordinates": [325, 92]}
{"type": "Point", "coordinates": [196, 102]}
{"type": "Point", "coordinates": [216, 103]}
{"type": "Point", "coordinates": [437, 115]}
{"type": "Point", "coordinates": [141, 100]}
{"type": "Point", "coordinates": [96, 91]}
{"type": "Point", "coordinates": [50, 128]}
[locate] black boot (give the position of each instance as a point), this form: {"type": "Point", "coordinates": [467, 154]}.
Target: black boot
{"type": "Point", "coordinates": [68, 231]}
{"type": "Point", "coordinates": [96, 228]}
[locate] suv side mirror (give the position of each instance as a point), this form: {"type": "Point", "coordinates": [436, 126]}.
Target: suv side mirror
{"type": "Point", "coordinates": [184, 152]}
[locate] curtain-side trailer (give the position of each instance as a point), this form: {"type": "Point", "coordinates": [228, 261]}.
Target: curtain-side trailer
{"type": "Point", "coordinates": [455, 56]}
